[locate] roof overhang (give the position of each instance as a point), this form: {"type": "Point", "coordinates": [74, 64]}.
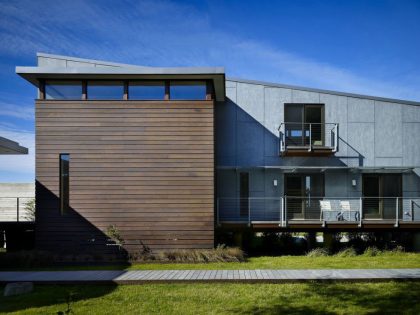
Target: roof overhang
{"type": "Point", "coordinates": [11, 147]}
{"type": "Point", "coordinates": [216, 74]}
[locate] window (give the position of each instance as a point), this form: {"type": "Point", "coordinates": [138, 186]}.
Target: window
{"type": "Point", "coordinates": [63, 90]}
{"type": "Point", "coordinates": [105, 90]}
{"type": "Point", "coordinates": [244, 194]}
{"type": "Point", "coordinates": [188, 90]}
{"type": "Point", "coordinates": [146, 90]}
{"type": "Point", "coordinates": [304, 124]}
{"type": "Point", "coordinates": [64, 182]}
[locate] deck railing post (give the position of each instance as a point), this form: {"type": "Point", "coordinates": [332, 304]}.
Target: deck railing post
{"type": "Point", "coordinates": [17, 209]}
{"type": "Point", "coordinates": [397, 206]}
{"type": "Point", "coordinates": [285, 212]}
{"type": "Point", "coordinates": [310, 137]}
{"type": "Point", "coordinates": [281, 211]}
{"type": "Point", "coordinates": [360, 211]}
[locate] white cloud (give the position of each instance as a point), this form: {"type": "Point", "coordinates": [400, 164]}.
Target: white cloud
{"type": "Point", "coordinates": [18, 111]}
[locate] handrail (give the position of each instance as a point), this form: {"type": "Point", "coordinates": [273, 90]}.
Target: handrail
{"type": "Point", "coordinates": [285, 209]}
{"type": "Point", "coordinates": [310, 135]}
{"type": "Point", "coordinates": [15, 209]}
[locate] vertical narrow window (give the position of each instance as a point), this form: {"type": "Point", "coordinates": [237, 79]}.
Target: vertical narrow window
{"type": "Point", "coordinates": [244, 193]}
{"type": "Point", "coordinates": [64, 182]}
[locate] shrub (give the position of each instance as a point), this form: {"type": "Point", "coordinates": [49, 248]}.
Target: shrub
{"type": "Point", "coordinates": [219, 254]}
{"type": "Point", "coordinates": [398, 249]}
{"type": "Point", "coordinates": [114, 234]}
{"type": "Point", "coordinates": [347, 252]}
{"type": "Point", "coordinates": [317, 252]}
{"type": "Point", "coordinates": [26, 259]}
{"type": "Point", "coordinates": [372, 251]}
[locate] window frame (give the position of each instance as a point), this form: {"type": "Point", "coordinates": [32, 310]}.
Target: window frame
{"type": "Point", "coordinates": [43, 89]}
{"type": "Point", "coordinates": [204, 82]}
{"type": "Point", "coordinates": [123, 90]}
{"type": "Point", "coordinates": [64, 196]}
{"type": "Point", "coordinates": [164, 85]}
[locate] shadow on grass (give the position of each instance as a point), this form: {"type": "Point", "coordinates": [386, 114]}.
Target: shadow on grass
{"type": "Point", "coordinates": [63, 296]}
{"type": "Point", "coordinates": [345, 297]}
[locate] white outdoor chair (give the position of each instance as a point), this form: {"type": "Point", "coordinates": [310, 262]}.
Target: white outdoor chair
{"type": "Point", "coordinates": [325, 206]}
{"type": "Point", "coordinates": [346, 207]}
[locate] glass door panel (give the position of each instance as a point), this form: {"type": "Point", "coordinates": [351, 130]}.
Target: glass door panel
{"type": "Point", "coordinates": [371, 194]}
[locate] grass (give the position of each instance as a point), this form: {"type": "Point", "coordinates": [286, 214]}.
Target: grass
{"type": "Point", "coordinates": [382, 260]}
{"type": "Point", "coordinates": [299, 298]}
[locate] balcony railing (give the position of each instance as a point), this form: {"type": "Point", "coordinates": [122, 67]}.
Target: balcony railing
{"type": "Point", "coordinates": [308, 136]}
{"type": "Point", "coordinates": [287, 210]}
{"type": "Point", "coordinates": [16, 209]}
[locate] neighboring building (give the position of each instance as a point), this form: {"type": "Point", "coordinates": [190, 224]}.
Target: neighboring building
{"type": "Point", "coordinates": [16, 206]}
{"type": "Point", "coordinates": [167, 154]}
{"type": "Point", "coordinates": [8, 146]}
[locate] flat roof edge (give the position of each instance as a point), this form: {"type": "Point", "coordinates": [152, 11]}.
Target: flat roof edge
{"type": "Point", "coordinates": [338, 93]}
{"type": "Point", "coordinates": [8, 146]}
{"type": "Point", "coordinates": [111, 71]}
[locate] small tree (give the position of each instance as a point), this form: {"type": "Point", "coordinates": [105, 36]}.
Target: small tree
{"type": "Point", "coordinates": [30, 210]}
{"type": "Point", "coordinates": [114, 234]}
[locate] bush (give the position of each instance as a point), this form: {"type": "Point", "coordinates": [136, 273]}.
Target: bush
{"type": "Point", "coordinates": [347, 252]}
{"type": "Point", "coordinates": [372, 251]}
{"type": "Point", "coordinates": [219, 254]}
{"type": "Point", "coordinates": [26, 259]}
{"type": "Point", "coordinates": [318, 252]}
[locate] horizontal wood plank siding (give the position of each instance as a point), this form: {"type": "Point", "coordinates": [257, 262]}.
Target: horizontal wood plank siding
{"type": "Point", "coordinates": [145, 167]}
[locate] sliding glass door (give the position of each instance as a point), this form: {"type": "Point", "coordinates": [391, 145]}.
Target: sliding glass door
{"type": "Point", "coordinates": [303, 192]}
{"type": "Point", "coordinates": [380, 192]}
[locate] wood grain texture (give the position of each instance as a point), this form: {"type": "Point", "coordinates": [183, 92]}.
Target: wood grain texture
{"type": "Point", "coordinates": [145, 167]}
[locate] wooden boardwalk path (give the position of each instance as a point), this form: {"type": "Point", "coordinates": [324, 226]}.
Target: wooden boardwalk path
{"type": "Point", "coordinates": [166, 276]}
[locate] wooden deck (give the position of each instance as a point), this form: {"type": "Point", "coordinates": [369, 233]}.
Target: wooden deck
{"type": "Point", "coordinates": [173, 276]}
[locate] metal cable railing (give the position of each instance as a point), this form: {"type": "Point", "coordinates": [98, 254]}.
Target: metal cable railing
{"type": "Point", "coordinates": [247, 210]}
{"type": "Point", "coordinates": [17, 209]}
{"type": "Point", "coordinates": [288, 209]}
{"type": "Point", "coordinates": [308, 135]}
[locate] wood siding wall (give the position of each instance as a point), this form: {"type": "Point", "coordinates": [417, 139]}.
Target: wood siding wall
{"type": "Point", "coordinates": [145, 167]}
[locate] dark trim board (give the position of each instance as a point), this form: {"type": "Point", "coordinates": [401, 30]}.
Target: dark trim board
{"type": "Point", "coordinates": [148, 170]}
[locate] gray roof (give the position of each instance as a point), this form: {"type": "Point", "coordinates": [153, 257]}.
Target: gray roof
{"type": "Point", "coordinates": [11, 147]}
{"type": "Point", "coordinates": [64, 67]}
{"type": "Point", "coordinates": [294, 87]}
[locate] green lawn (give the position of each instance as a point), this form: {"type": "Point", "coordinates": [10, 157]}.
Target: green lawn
{"type": "Point", "coordinates": [304, 298]}
{"type": "Point", "coordinates": [384, 260]}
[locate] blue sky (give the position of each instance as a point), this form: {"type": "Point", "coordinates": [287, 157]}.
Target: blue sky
{"type": "Point", "coordinates": [367, 47]}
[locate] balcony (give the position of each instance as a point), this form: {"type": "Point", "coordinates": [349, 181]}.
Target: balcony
{"type": "Point", "coordinates": [319, 211]}
{"type": "Point", "coordinates": [302, 139]}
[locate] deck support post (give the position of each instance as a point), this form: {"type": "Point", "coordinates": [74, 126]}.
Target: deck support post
{"type": "Point", "coordinates": [397, 206]}
{"type": "Point", "coordinates": [360, 212]}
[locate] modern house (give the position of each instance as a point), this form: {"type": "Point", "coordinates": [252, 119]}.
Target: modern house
{"type": "Point", "coordinates": [168, 154]}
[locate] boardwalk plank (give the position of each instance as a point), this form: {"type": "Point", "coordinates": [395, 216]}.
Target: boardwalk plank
{"type": "Point", "coordinates": [207, 275]}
